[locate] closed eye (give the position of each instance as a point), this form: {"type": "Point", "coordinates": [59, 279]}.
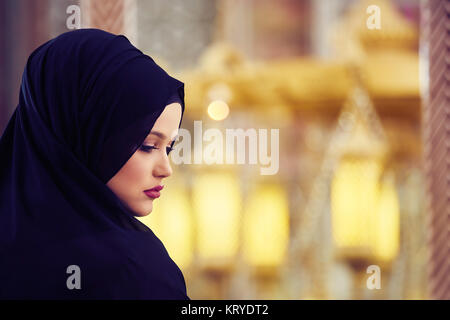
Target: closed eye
{"type": "Point", "coordinates": [148, 149]}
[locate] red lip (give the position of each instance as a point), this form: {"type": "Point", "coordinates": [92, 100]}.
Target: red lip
{"type": "Point", "coordinates": [153, 192]}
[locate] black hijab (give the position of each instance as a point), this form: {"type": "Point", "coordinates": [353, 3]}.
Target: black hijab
{"type": "Point", "coordinates": [88, 99]}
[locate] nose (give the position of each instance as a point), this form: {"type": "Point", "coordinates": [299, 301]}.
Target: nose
{"type": "Point", "coordinates": [162, 167]}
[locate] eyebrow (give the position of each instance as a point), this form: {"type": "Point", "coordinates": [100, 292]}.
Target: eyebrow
{"type": "Point", "coordinates": [161, 135]}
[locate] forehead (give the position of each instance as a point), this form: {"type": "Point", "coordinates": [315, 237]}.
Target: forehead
{"type": "Point", "coordinates": [166, 126]}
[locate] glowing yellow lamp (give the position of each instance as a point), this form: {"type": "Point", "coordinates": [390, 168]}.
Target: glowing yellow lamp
{"type": "Point", "coordinates": [354, 197]}
{"type": "Point", "coordinates": [266, 226]}
{"type": "Point", "coordinates": [216, 204]}
{"type": "Point", "coordinates": [365, 211]}
{"type": "Point", "coordinates": [218, 110]}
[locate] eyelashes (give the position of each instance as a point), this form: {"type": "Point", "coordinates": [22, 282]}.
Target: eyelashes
{"type": "Point", "coordinates": [149, 149]}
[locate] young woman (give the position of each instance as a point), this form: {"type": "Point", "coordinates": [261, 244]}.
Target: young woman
{"type": "Point", "coordinates": [84, 153]}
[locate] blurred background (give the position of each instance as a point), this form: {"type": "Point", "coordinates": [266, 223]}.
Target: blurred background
{"type": "Point", "coordinates": [345, 82]}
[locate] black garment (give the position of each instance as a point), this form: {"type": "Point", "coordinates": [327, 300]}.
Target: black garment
{"type": "Point", "coordinates": [88, 99]}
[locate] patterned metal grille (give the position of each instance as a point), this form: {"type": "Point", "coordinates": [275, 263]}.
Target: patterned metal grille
{"type": "Point", "coordinates": [436, 35]}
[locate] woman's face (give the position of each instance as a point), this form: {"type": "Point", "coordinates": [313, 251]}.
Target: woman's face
{"type": "Point", "coordinates": [149, 165]}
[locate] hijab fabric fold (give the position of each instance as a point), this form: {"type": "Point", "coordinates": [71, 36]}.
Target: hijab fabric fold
{"type": "Point", "coordinates": [88, 99]}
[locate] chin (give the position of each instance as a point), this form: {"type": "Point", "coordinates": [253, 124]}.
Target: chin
{"type": "Point", "coordinates": [140, 214]}
{"type": "Point", "coordinates": [143, 211]}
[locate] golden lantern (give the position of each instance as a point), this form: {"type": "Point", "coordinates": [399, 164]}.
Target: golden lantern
{"type": "Point", "coordinates": [354, 200]}
{"type": "Point", "coordinates": [364, 204]}
{"type": "Point", "coordinates": [266, 227]}
{"type": "Point", "coordinates": [216, 202]}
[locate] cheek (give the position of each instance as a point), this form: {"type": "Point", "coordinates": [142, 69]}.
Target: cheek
{"type": "Point", "coordinates": [137, 170]}
{"type": "Point", "coordinates": [134, 175]}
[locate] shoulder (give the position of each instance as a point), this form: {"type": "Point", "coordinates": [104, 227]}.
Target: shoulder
{"type": "Point", "coordinates": [104, 265]}
{"type": "Point", "coordinates": [131, 265]}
